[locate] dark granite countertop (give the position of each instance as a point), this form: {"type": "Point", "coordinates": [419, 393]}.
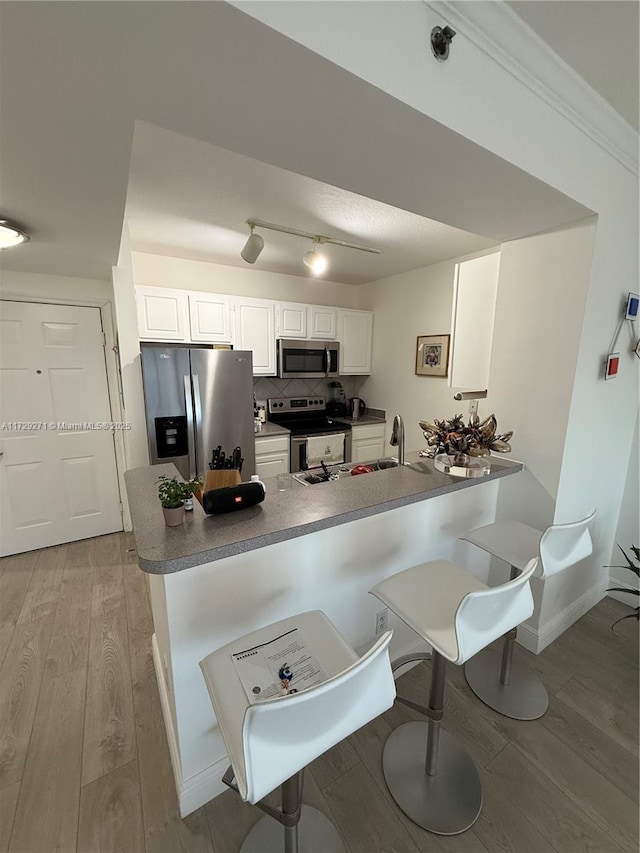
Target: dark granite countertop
{"type": "Point", "coordinates": [283, 515]}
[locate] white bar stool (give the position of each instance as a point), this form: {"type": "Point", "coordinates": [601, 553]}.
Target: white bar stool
{"type": "Point", "coordinates": [270, 743]}
{"type": "Point", "coordinates": [430, 776]}
{"type": "Point", "coordinates": [520, 695]}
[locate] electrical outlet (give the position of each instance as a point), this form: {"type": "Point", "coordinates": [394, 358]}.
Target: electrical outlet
{"type": "Point", "coordinates": [382, 617]}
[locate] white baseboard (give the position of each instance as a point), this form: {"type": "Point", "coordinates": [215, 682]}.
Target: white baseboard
{"type": "Point", "coordinates": [626, 598]}
{"type": "Point", "coordinates": [535, 640]}
{"type": "Point", "coordinates": [174, 752]}
{"type": "Point", "coordinates": [204, 786]}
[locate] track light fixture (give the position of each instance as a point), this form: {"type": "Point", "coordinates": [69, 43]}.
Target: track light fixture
{"type": "Point", "coordinates": [253, 247]}
{"type": "Point", "coordinates": [11, 234]}
{"type": "Point", "coordinates": [316, 261]}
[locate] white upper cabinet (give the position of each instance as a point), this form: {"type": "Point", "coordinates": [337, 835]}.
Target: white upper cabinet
{"type": "Point", "coordinates": [254, 321]}
{"type": "Point", "coordinates": [323, 323]}
{"type": "Point", "coordinates": [313, 322]}
{"type": "Point", "coordinates": [355, 333]}
{"type": "Point", "coordinates": [291, 320]}
{"type": "Point", "coordinates": [475, 292]}
{"type": "Point", "coordinates": [210, 318]}
{"type": "Point", "coordinates": [166, 314]}
{"type": "Point", "coordinates": [162, 314]}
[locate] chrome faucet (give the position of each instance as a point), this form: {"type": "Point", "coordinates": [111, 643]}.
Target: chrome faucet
{"type": "Point", "coordinates": [397, 437]}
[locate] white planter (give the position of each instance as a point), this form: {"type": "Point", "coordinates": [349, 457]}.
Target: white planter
{"type": "Point", "coordinates": [174, 516]}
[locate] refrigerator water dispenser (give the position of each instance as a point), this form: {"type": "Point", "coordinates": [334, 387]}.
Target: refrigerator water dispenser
{"type": "Point", "coordinates": [171, 437]}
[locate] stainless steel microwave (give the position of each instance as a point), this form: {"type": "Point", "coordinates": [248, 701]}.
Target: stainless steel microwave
{"type": "Point", "coordinates": [308, 359]}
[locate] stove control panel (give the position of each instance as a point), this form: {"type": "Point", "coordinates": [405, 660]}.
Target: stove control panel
{"type": "Point", "coordinates": [282, 405]}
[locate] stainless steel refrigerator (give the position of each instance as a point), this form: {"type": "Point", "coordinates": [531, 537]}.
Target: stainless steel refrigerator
{"type": "Point", "coordinates": [197, 399]}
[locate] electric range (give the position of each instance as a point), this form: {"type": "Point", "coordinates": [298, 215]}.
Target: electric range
{"type": "Point", "coordinates": [306, 417]}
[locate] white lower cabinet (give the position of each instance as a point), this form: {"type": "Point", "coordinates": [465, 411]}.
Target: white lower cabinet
{"type": "Point", "coordinates": [272, 456]}
{"type": "Point", "coordinates": [367, 443]}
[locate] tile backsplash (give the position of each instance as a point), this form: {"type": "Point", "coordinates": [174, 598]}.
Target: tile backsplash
{"type": "Point", "coordinates": [265, 387]}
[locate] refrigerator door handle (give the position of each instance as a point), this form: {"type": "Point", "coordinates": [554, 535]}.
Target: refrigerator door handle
{"type": "Point", "coordinates": [188, 400]}
{"type": "Point", "coordinates": [197, 407]}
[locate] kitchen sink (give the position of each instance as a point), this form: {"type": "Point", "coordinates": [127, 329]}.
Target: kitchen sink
{"type": "Point", "coordinates": [338, 472]}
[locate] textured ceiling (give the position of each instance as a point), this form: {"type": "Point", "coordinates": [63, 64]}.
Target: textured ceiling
{"type": "Point", "coordinates": [82, 75]}
{"type": "Point", "coordinates": [190, 199]}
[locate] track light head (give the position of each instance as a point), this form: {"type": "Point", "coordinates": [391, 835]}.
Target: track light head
{"type": "Point", "coordinates": [316, 262]}
{"type": "Point", "coordinates": [252, 248]}
{"type": "Point", "coordinates": [11, 234]}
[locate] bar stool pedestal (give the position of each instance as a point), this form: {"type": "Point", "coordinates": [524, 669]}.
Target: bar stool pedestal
{"type": "Point", "coordinates": [521, 698]}
{"type": "Point", "coordinates": [316, 834]}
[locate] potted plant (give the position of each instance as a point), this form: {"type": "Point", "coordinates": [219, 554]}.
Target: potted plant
{"type": "Point", "coordinates": [171, 494]}
{"type": "Point", "coordinates": [634, 566]}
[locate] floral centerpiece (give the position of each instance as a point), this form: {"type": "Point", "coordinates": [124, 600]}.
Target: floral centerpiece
{"type": "Point", "coordinates": [463, 442]}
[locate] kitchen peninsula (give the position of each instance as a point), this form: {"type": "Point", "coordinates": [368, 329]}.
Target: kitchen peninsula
{"type": "Point", "coordinates": [215, 578]}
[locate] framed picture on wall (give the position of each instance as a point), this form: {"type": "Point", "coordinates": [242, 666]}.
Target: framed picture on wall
{"type": "Point", "coordinates": [432, 355]}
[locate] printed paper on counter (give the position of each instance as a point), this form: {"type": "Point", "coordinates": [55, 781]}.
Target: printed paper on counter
{"type": "Point", "coordinates": [281, 667]}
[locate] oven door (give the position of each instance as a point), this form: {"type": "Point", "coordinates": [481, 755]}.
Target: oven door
{"type": "Point", "coordinates": [299, 450]}
{"type": "Point", "coordinates": [308, 359]}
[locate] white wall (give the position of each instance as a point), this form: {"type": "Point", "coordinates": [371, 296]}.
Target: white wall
{"type": "Point", "coordinates": [56, 288]}
{"type": "Point", "coordinates": [405, 306]}
{"type": "Point", "coordinates": [542, 291]}
{"type": "Point", "coordinates": [137, 448]}
{"type": "Point", "coordinates": [165, 271]}
{"type": "Point", "coordinates": [486, 95]}
{"type": "Point", "coordinates": [628, 532]}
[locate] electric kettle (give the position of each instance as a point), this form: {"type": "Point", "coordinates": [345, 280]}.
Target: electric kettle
{"type": "Point", "coordinates": [356, 407]}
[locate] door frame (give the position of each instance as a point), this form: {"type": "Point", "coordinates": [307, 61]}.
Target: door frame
{"type": "Point", "coordinates": [114, 382]}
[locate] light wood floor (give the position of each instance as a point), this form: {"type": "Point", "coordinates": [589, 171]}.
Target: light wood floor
{"type": "Point", "coordinates": [84, 764]}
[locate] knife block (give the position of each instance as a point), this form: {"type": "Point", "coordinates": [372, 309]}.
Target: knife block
{"type": "Point", "coordinates": [220, 479]}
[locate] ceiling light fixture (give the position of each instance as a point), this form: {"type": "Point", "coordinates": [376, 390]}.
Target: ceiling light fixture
{"type": "Point", "coordinates": [253, 246]}
{"type": "Point", "coordinates": [316, 261]}
{"type": "Point", "coordinates": [11, 234]}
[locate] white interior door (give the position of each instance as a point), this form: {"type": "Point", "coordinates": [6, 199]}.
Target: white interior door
{"type": "Point", "coordinates": [58, 479]}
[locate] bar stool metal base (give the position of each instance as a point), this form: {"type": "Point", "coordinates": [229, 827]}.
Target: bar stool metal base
{"type": "Point", "coordinates": [447, 803]}
{"type": "Point", "coordinates": [316, 834]}
{"type": "Point", "coordinates": [524, 698]}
